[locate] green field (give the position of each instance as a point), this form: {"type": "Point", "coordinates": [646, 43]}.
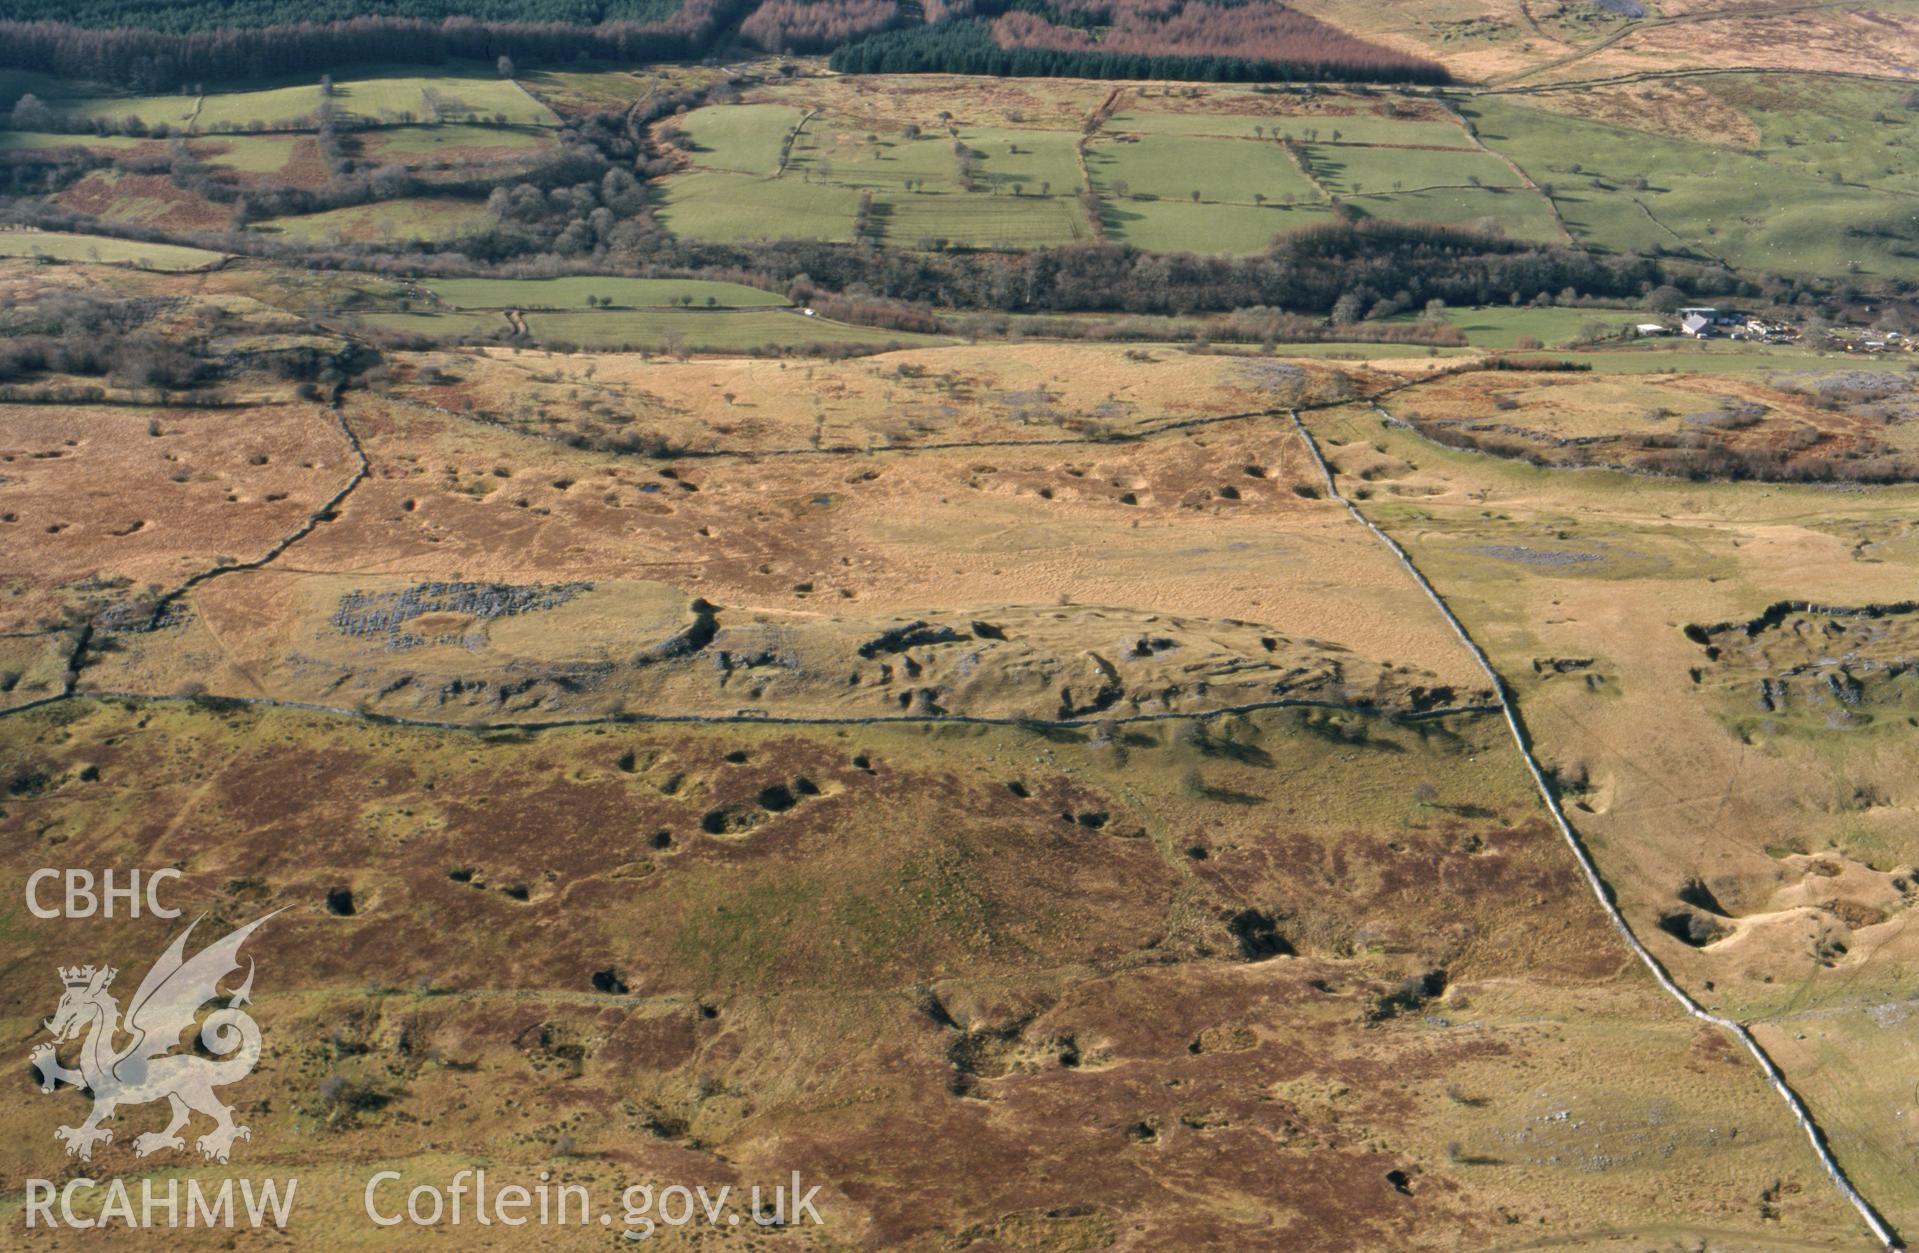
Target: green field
{"type": "Point", "coordinates": [573, 291]}
{"type": "Point", "coordinates": [49, 140]}
{"type": "Point", "coordinates": [454, 140]}
{"type": "Point", "coordinates": [1359, 128]}
{"type": "Point", "coordinates": [253, 154]}
{"type": "Point", "coordinates": [1002, 158]}
{"type": "Point", "coordinates": [1174, 174]}
{"type": "Point", "coordinates": [1200, 179]}
{"type": "Point", "coordinates": [1504, 326]}
{"type": "Point", "coordinates": [1181, 226]}
{"type": "Point", "coordinates": [99, 248]}
{"type": "Point", "coordinates": [368, 96]}
{"type": "Point", "coordinates": [979, 220]}
{"type": "Point", "coordinates": [1147, 187]}
{"type": "Point", "coordinates": [1516, 212]}
{"type": "Point", "coordinates": [1636, 191]}
{"type": "Point", "coordinates": [828, 154]}
{"type": "Point", "coordinates": [451, 325]}
{"type": "Point", "coordinates": [1023, 183]}
{"type": "Point", "coordinates": [1820, 126]}
{"type": "Point", "coordinates": [1222, 171]}
{"type": "Point", "coordinates": [172, 111]}
{"type": "Point", "coordinates": [738, 208]}
{"type": "Point", "coordinates": [743, 138]}
{"type": "Point", "coordinates": [1347, 169]}
{"type": "Point", "coordinates": [418, 218]}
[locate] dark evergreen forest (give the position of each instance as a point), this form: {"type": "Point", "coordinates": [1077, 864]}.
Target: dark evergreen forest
{"type": "Point", "coordinates": [969, 47]}
{"type": "Point", "coordinates": [161, 45]}
{"type": "Point", "coordinates": [180, 16]}
{"type": "Point", "coordinates": [147, 60]}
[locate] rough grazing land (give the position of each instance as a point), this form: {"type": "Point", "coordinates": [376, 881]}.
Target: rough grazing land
{"type": "Point", "coordinates": [891, 707]}
{"type": "Point", "coordinates": [1086, 972]}
{"type": "Point", "coordinates": [1718, 676]}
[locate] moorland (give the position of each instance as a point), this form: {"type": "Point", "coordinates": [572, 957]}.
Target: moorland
{"type": "Point", "coordinates": [1108, 626]}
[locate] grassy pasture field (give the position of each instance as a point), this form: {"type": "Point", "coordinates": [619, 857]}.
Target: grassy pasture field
{"type": "Point", "coordinates": [255, 154]}
{"type": "Point", "coordinates": [1024, 180]}
{"type": "Point", "coordinates": [455, 141]}
{"type": "Point", "coordinates": [1409, 161]}
{"type": "Point", "coordinates": [742, 138]}
{"type": "Point", "coordinates": [736, 208]}
{"type": "Point", "coordinates": [834, 153]}
{"type": "Point", "coordinates": [892, 102]}
{"type": "Point", "coordinates": [11, 140]}
{"type": "Point", "coordinates": [387, 98]}
{"type": "Point", "coordinates": [573, 291]}
{"type": "Point", "coordinates": [1023, 193]}
{"type": "Point", "coordinates": [1516, 212]}
{"type": "Point", "coordinates": [1428, 185]}
{"type": "Point", "coordinates": [450, 324]}
{"type": "Point", "coordinates": [1350, 168]}
{"type": "Point", "coordinates": [1639, 191]}
{"type": "Point", "coordinates": [1222, 171]}
{"type": "Point", "coordinates": [1002, 157]}
{"type": "Point", "coordinates": [1580, 405]}
{"type": "Point", "coordinates": [980, 221]}
{"type": "Point", "coordinates": [1862, 131]}
{"type": "Point", "coordinates": [1158, 150]}
{"type": "Point", "coordinates": [415, 218]}
{"type": "Point", "coordinates": [1494, 327]}
{"type": "Point", "coordinates": [1182, 226]}
{"type": "Point", "coordinates": [59, 246]}
{"type": "Point", "coordinates": [1236, 114]}
{"type": "Point", "coordinates": [370, 95]}
{"type": "Point", "coordinates": [1504, 327]}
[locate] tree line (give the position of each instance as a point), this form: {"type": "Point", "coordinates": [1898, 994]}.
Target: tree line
{"type": "Point", "coordinates": [817, 25]}
{"type": "Point", "coordinates": [180, 16]}
{"type": "Point", "coordinates": [1257, 30]}
{"type": "Point", "coordinates": [1310, 271]}
{"type": "Point", "coordinates": [151, 61]}
{"type": "Point", "coordinates": [1036, 49]}
{"type": "Point", "coordinates": [181, 46]}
